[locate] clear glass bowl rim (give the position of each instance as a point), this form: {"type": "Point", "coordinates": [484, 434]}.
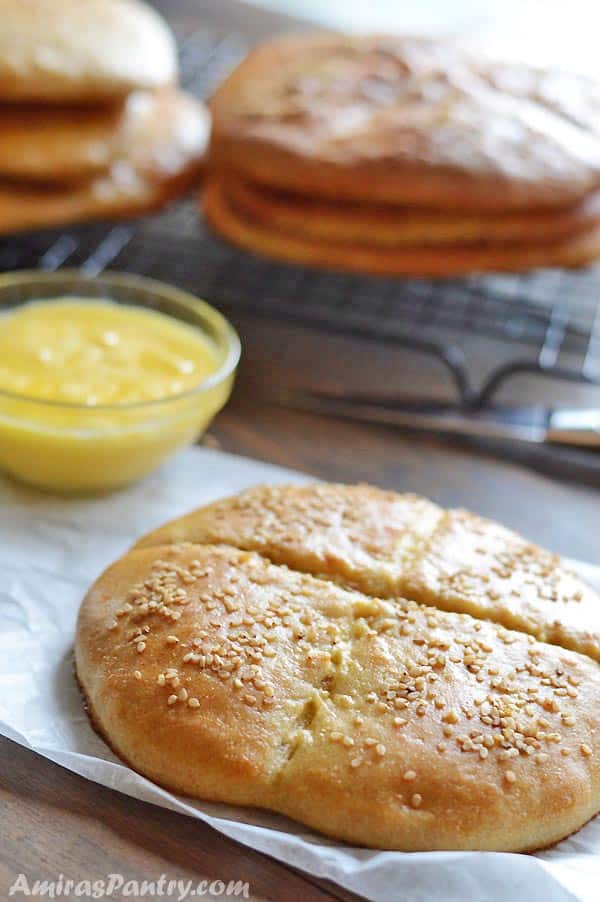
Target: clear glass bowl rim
{"type": "Point", "coordinates": [153, 287]}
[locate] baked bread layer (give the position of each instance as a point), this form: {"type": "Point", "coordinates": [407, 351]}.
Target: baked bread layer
{"type": "Point", "coordinates": [385, 226]}
{"type": "Point", "coordinates": [66, 145]}
{"type": "Point", "coordinates": [437, 261]}
{"type": "Point", "coordinates": [157, 158]}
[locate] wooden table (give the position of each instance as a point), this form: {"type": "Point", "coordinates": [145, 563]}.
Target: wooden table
{"type": "Point", "coordinates": [52, 821]}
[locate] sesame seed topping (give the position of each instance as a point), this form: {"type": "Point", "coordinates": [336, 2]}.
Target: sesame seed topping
{"type": "Point", "coordinates": [416, 800]}
{"type": "Point", "coordinates": [409, 775]}
{"type": "Point", "coordinates": [451, 716]}
{"type": "Point", "coordinates": [482, 701]}
{"type": "Point", "coordinates": [137, 674]}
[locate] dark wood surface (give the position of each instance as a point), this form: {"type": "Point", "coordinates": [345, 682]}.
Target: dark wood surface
{"type": "Point", "coordinates": [52, 821]}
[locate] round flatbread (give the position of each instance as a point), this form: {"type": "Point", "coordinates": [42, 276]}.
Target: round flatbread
{"type": "Point", "coordinates": [82, 50]}
{"type": "Point", "coordinates": [407, 121]}
{"type": "Point", "coordinates": [224, 676]}
{"type": "Point", "coordinates": [435, 261]}
{"type": "Point", "coordinates": [162, 158]}
{"type": "Point", "coordinates": [386, 226]}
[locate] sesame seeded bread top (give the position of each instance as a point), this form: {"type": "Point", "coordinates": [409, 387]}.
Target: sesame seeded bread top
{"type": "Point", "coordinates": [390, 724]}
{"type": "Point", "coordinates": [388, 545]}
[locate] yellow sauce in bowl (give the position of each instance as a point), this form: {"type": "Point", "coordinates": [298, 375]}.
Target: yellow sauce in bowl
{"type": "Point", "coordinates": [96, 394]}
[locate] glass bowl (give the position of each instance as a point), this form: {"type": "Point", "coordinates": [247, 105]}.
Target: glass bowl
{"type": "Point", "coordinates": [73, 448]}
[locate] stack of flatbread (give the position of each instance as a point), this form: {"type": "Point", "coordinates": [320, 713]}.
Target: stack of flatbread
{"type": "Point", "coordinates": [407, 156]}
{"type": "Point", "coordinates": [92, 123]}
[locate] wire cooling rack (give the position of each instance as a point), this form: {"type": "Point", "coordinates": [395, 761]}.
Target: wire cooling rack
{"type": "Point", "coordinates": [546, 323]}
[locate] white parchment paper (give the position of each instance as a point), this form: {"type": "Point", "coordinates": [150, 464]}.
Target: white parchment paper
{"type": "Point", "coordinates": [50, 552]}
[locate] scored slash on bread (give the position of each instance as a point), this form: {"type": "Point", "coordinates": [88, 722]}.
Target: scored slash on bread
{"type": "Point", "coordinates": [387, 545]}
{"type": "Point", "coordinates": [240, 654]}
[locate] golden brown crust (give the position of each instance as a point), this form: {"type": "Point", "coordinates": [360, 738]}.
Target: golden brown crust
{"type": "Point", "coordinates": [435, 261]}
{"type": "Point", "coordinates": [75, 52]}
{"type": "Point", "coordinates": [391, 227]}
{"type": "Point", "coordinates": [158, 158]}
{"type": "Point", "coordinates": [389, 545]}
{"type": "Point", "coordinates": [403, 120]}
{"type": "Point", "coordinates": [393, 725]}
